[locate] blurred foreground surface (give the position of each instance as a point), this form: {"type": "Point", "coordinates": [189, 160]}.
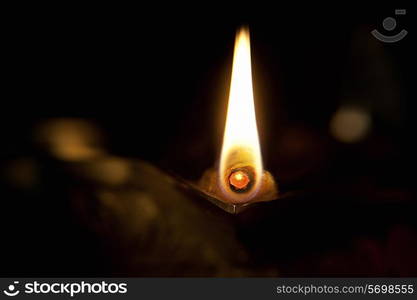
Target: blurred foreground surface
{"type": "Point", "coordinates": [75, 210]}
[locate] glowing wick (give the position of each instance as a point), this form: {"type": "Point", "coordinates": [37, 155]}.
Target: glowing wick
{"type": "Point", "coordinates": [239, 180]}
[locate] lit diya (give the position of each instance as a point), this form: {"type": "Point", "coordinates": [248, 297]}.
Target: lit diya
{"type": "Point", "coordinates": [240, 178]}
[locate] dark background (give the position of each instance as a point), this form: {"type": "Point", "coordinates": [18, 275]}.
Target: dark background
{"type": "Point", "coordinates": [154, 82]}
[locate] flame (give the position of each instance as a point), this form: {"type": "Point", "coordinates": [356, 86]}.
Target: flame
{"type": "Point", "coordinates": [240, 141]}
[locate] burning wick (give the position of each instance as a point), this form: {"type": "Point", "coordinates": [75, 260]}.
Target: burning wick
{"type": "Point", "coordinates": [240, 177]}
{"type": "Point", "coordinates": [240, 181]}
